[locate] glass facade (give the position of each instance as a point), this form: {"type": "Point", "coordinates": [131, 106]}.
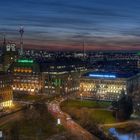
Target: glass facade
{"type": "Point", "coordinates": [107, 87]}
{"type": "Point", "coordinates": [102, 89]}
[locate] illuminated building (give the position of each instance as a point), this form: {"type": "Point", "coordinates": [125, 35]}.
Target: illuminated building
{"type": "Point", "coordinates": [108, 86]}
{"type": "Point", "coordinates": [61, 77]}
{"type": "Point", "coordinates": [26, 76]}
{"type": "Point", "coordinates": [9, 55]}
{"type": "Point", "coordinates": [6, 92]}
{"type": "Point", "coordinates": [60, 82]}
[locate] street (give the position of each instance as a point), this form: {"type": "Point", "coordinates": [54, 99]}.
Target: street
{"type": "Point", "coordinates": [68, 123]}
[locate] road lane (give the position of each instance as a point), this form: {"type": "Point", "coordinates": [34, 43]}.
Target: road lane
{"type": "Point", "coordinates": [68, 123]}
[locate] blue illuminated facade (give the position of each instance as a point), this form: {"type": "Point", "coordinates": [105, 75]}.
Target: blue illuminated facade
{"type": "Point", "coordinates": [102, 75]}
{"type": "Point", "coordinates": [109, 75]}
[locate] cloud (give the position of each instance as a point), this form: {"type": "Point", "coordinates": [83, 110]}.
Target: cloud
{"type": "Point", "coordinates": [65, 24]}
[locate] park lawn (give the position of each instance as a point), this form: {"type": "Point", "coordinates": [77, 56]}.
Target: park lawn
{"type": "Point", "coordinates": [85, 103]}
{"type": "Point", "coordinates": [98, 116]}
{"type": "Point", "coordinates": [91, 111]}
{"type": "Point", "coordinates": [102, 116]}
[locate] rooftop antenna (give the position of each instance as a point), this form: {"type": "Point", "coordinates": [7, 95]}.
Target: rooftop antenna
{"type": "Point", "coordinates": [4, 39]}
{"type": "Point", "coordinates": [83, 49]}
{"type": "Point", "coordinates": [21, 31]}
{"type": "Point", "coordinates": [4, 43]}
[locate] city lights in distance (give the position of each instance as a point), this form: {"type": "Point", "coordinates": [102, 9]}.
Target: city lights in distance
{"type": "Point", "coordinates": [102, 75]}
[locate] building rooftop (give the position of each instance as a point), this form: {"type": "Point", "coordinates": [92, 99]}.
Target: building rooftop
{"type": "Point", "coordinates": [109, 75]}
{"type": "Point", "coordinates": [61, 64]}
{"type": "Point", "coordinates": [25, 63]}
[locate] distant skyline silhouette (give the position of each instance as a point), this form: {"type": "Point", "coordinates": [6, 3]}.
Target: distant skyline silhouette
{"type": "Point", "coordinates": [64, 24]}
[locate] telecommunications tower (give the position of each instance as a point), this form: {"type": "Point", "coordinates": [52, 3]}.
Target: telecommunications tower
{"type": "Point", "coordinates": [21, 31]}
{"type": "Point", "coordinates": [84, 50]}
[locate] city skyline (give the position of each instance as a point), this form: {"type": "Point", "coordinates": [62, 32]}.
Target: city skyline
{"type": "Point", "coordinates": [63, 25]}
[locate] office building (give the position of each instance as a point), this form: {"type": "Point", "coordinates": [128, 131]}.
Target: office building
{"type": "Point", "coordinates": [6, 92]}
{"type": "Point", "coordinates": [26, 76]}
{"type": "Point", "coordinates": [61, 76]}
{"type": "Point", "coordinates": [108, 85]}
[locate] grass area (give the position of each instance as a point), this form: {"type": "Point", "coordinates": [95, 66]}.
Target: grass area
{"type": "Point", "coordinates": [86, 103]}
{"type": "Point", "coordinates": [89, 114]}
{"type": "Point", "coordinates": [94, 111]}
{"type": "Point", "coordinates": [102, 116]}
{"type": "Point", "coordinates": [92, 115]}
{"type": "Point", "coordinates": [36, 123]}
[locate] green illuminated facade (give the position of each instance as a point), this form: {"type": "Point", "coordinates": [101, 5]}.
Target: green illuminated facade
{"type": "Point", "coordinates": [25, 61]}
{"type": "Point", "coordinates": [60, 83]}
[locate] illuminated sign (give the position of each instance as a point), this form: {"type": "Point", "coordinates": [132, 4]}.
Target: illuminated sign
{"type": "Point", "coordinates": [102, 75]}
{"type": "Point", "coordinates": [25, 61]}
{"type": "Point", "coordinates": [57, 82]}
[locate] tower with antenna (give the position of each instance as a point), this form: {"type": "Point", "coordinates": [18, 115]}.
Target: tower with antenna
{"type": "Point", "coordinates": [21, 31]}
{"type": "Point", "coordinates": [84, 50]}
{"type": "Point", "coordinates": [4, 43]}
{"type": "Point", "coordinates": [4, 40]}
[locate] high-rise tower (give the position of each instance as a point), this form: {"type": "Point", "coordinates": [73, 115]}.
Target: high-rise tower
{"type": "Point", "coordinates": [21, 31]}
{"type": "Point", "coordinates": [9, 53]}
{"type": "Point", "coordinates": [4, 40]}
{"type": "Point", "coordinates": [4, 44]}
{"type": "Point", "coordinates": [84, 50]}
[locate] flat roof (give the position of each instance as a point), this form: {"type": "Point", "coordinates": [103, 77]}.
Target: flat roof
{"type": "Point", "coordinates": [109, 75]}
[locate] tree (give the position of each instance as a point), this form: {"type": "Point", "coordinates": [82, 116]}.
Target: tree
{"type": "Point", "coordinates": [14, 132]}
{"type": "Point", "coordinates": [123, 107]}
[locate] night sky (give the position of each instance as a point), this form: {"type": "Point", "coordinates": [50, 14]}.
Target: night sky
{"type": "Point", "coordinates": [64, 24]}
